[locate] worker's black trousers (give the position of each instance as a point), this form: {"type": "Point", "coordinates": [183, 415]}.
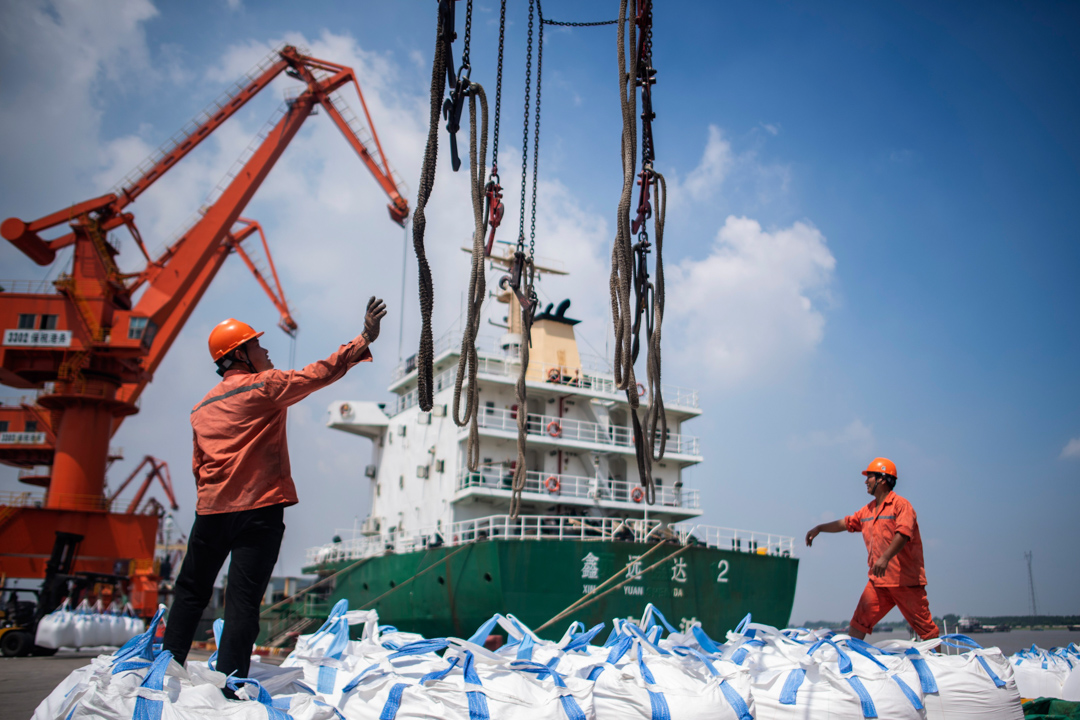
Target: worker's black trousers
{"type": "Point", "coordinates": [254, 538]}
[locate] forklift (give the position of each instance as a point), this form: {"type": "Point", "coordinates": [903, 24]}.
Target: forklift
{"type": "Point", "coordinates": [19, 618]}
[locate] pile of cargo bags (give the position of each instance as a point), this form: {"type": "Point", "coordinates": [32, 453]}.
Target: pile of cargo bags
{"type": "Point", "coordinates": [637, 669]}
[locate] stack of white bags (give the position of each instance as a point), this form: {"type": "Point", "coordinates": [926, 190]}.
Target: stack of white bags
{"type": "Point", "coordinates": [643, 669]}
{"type": "Point", "coordinates": [87, 626]}
{"type": "Point", "coordinates": [1048, 673]}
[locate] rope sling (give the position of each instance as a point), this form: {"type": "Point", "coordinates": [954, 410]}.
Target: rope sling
{"type": "Point", "coordinates": [467, 360]}
{"type": "Point", "coordinates": [629, 260]}
{"type": "Point", "coordinates": [524, 268]}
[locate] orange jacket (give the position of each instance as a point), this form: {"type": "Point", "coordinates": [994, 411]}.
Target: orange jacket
{"type": "Point", "coordinates": [879, 525]}
{"type": "Point", "coordinates": [241, 454]}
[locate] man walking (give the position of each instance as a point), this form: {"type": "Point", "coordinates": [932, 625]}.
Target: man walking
{"type": "Point", "coordinates": [894, 554]}
{"type": "Point", "coordinates": [244, 483]}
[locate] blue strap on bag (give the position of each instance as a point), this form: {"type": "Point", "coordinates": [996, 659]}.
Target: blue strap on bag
{"type": "Point", "coordinates": [581, 640]}
{"type": "Point", "coordinates": [140, 647]}
{"type": "Point", "coordinates": [965, 643]}
{"type": "Point", "coordinates": [867, 703]}
{"type": "Point", "coordinates": [730, 694]}
{"type": "Point", "coordinates": [789, 693]}
{"type": "Point", "coordinates": [866, 650]}
{"type": "Point", "coordinates": [660, 709]}
{"type": "Point", "coordinates": [478, 707]}
{"type": "Point", "coordinates": [740, 655]}
{"type": "Point", "coordinates": [219, 626]}
{"type": "Point", "coordinates": [569, 704]}
{"type": "Point", "coordinates": [653, 614]}
{"type": "Point", "coordinates": [263, 698]}
{"type": "Point", "coordinates": [145, 708]}
{"type": "Point", "coordinates": [926, 677]}
{"type": "Point", "coordinates": [393, 701]}
{"type": "Point", "coordinates": [868, 709]}
{"type": "Point", "coordinates": [704, 640]}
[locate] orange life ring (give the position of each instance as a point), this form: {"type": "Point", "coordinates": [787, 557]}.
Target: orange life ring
{"type": "Point", "coordinates": [554, 429]}
{"type": "Point", "coordinates": [640, 390]}
{"type": "Point", "coordinates": [552, 484]}
{"type": "Point", "coordinates": [554, 375]}
{"type": "Point", "coordinates": [637, 494]}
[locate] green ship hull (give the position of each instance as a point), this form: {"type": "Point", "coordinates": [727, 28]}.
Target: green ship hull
{"type": "Point", "coordinates": [450, 591]}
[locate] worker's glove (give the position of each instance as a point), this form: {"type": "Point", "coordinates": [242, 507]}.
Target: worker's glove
{"type": "Point", "coordinates": [376, 311]}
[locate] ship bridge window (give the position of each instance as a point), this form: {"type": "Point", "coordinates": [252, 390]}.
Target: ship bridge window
{"type": "Point", "coordinates": [3, 426]}
{"type": "Point", "coordinates": [31, 426]}
{"type": "Point", "coordinates": [489, 407]}
{"type": "Point", "coordinates": [48, 322]}
{"type": "Point", "coordinates": [26, 322]}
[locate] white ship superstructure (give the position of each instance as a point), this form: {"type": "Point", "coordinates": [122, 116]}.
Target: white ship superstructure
{"type": "Point", "coordinates": [580, 458]}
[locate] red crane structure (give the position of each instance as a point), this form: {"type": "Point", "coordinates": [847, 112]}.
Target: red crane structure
{"type": "Point", "coordinates": [89, 348]}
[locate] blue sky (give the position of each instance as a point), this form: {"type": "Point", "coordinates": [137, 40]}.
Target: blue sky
{"type": "Point", "coordinates": [869, 243]}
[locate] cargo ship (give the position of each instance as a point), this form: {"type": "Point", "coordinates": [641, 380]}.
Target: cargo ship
{"type": "Point", "coordinates": [440, 553]}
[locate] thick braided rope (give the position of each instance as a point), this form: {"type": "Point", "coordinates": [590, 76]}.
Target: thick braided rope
{"type": "Point", "coordinates": [520, 471]}
{"type": "Point", "coordinates": [622, 254]}
{"type": "Point", "coordinates": [656, 420]}
{"type": "Point", "coordinates": [425, 356]}
{"type": "Point", "coordinates": [477, 283]}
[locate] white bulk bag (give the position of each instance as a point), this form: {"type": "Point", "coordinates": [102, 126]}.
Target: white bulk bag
{"type": "Point", "coordinates": [1070, 689]}
{"type": "Point", "coordinates": [1039, 673]}
{"type": "Point", "coordinates": [823, 683]}
{"type": "Point", "coordinates": [408, 683]}
{"type": "Point", "coordinates": [57, 629]}
{"type": "Point", "coordinates": [657, 685]}
{"type": "Point", "coordinates": [976, 684]}
{"type": "Point", "coordinates": [518, 689]}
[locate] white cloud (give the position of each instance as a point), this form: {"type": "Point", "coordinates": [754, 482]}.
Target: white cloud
{"type": "Point", "coordinates": [716, 163]}
{"type": "Point", "coordinates": [746, 182]}
{"type": "Point", "coordinates": [748, 310]}
{"type": "Point", "coordinates": [855, 436]}
{"type": "Point", "coordinates": [771, 128]}
{"type": "Point", "coordinates": [234, 5]}
{"type": "Point", "coordinates": [57, 57]}
{"type": "Point", "coordinates": [1071, 449]}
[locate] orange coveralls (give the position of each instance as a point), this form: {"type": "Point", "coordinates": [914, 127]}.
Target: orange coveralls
{"type": "Point", "coordinates": [241, 455]}
{"type": "Point", "coordinates": [904, 583]}
{"type": "Point", "coordinates": [244, 482]}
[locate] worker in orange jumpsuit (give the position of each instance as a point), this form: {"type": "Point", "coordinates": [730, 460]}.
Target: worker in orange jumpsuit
{"type": "Point", "coordinates": [244, 482]}
{"type": "Point", "coordinates": [894, 554]}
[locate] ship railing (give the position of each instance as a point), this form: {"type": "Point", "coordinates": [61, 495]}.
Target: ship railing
{"type": "Point", "coordinates": [555, 486]}
{"type": "Point", "coordinates": [591, 373]}
{"type": "Point", "coordinates": [723, 538]}
{"type": "Point", "coordinates": [581, 430]}
{"type": "Point", "coordinates": [492, 527]}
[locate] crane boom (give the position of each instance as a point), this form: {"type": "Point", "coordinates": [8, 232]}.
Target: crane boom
{"type": "Point", "coordinates": [92, 350]}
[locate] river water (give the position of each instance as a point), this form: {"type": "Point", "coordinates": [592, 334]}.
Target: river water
{"type": "Point", "coordinates": [1008, 642]}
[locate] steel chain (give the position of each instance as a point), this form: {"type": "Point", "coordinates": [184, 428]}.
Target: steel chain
{"type": "Point", "coordinates": [580, 24]}
{"type": "Point", "coordinates": [468, 35]}
{"type": "Point", "coordinates": [525, 130]}
{"type": "Point", "coordinates": [536, 129]}
{"type": "Point", "coordinates": [498, 89]}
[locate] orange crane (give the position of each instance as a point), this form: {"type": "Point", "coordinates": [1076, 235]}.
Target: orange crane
{"type": "Point", "coordinates": [90, 350]}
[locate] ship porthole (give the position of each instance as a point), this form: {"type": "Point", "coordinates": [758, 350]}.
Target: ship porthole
{"type": "Point", "coordinates": [487, 577]}
{"type": "Point", "coordinates": [441, 580]}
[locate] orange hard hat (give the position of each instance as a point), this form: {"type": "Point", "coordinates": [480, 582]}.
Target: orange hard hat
{"type": "Point", "coordinates": [885, 466]}
{"type": "Point", "coordinates": [229, 335]}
